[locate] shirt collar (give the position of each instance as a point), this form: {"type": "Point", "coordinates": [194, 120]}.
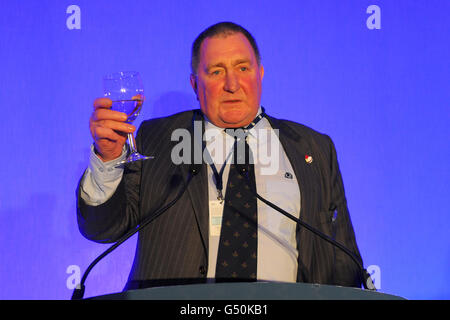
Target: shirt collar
{"type": "Point", "coordinates": [215, 130]}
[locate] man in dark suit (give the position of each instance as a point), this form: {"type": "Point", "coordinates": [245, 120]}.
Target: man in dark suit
{"type": "Point", "coordinates": [186, 243]}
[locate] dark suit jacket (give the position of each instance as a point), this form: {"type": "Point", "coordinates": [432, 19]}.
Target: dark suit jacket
{"type": "Point", "coordinates": [173, 249]}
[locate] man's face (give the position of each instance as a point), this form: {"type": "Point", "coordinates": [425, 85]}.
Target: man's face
{"type": "Point", "coordinates": [228, 80]}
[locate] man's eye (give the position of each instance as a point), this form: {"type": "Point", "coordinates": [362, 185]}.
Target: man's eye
{"type": "Point", "coordinates": [244, 68]}
{"type": "Point", "coordinates": [215, 72]}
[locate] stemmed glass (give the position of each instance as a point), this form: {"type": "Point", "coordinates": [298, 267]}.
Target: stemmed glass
{"type": "Point", "coordinates": [126, 91]}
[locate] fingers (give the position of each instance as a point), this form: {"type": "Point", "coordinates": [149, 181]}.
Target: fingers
{"type": "Point", "coordinates": [109, 138]}
{"type": "Point", "coordinates": [113, 125]}
{"type": "Point", "coordinates": [108, 124]}
{"type": "Point", "coordinates": [103, 133]}
{"type": "Point", "coordinates": [108, 143]}
{"type": "Point", "coordinates": [102, 103]}
{"type": "Point", "coordinates": [108, 129]}
{"type": "Point", "coordinates": [108, 114]}
{"type": "Point", "coordinates": [110, 119]}
{"type": "Point", "coordinates": [140, 98]}
{"type": "Point", "coordinates": [102, 111]}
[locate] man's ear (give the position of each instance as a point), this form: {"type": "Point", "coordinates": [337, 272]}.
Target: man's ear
{"type": "Point", "coordinates": [193, 80]}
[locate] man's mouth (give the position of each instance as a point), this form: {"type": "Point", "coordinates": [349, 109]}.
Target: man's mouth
{"type": "Point", "coordinates": [232, 101]}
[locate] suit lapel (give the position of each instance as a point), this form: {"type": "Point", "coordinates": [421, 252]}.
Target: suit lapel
{"type": "Point", "coordinates": [198, 193]}
{"type": "Point", "coordinates": [297, 149]}
{"type": "Point", "coordinates": [198, 187]}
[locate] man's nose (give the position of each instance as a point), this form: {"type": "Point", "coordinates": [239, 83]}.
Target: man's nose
{"type": "Point", "coordinates": [231, 82]}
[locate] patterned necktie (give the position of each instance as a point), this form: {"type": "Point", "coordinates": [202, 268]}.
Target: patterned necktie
{"type": "Point", "coordinates": [238, 244]}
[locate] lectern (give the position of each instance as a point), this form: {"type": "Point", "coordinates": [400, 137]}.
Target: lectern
{"type": "Point", "coordinates": [250, 291]}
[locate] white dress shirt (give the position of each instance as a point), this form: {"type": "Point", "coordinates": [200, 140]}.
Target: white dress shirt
{"type": "Point", "coordinates": [275, 181]}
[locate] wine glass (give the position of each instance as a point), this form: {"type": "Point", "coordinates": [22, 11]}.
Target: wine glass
{"type": "Point", "coordinates": [126, 91]}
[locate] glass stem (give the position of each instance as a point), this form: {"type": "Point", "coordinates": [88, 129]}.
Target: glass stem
{"type": "Point", "coordinates": [132, 143]}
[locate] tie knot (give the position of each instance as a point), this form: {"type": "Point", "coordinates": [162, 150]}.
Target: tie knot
{"type": "Point", "coordinates": [239, 134]}
{"type": "Point", "coordinates": [242, 132]}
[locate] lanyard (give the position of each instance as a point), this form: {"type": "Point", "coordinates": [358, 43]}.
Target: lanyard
{"type": "Point", "coordinates": [219, 175]}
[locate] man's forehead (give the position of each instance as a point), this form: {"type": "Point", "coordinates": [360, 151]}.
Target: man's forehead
{"type": "Point", "coordinates": [234, 46]}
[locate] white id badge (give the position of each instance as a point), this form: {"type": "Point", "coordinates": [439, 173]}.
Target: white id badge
{"type": "Point", "coordinates": [215, 217]}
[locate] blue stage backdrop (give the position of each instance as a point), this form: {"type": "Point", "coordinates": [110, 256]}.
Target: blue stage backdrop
{"type": "Point", "coordinates": [374, 75]}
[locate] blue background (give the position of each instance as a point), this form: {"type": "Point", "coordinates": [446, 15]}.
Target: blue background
{"type": "Point", "coordinates": [382, 95]}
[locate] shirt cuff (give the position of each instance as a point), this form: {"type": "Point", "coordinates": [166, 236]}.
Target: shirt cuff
{"type": "Point", "coordinates": [106, 171]}
{"type": "Point", "coordinates": [101, 179]}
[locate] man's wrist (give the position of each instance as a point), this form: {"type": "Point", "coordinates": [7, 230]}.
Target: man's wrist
{"type": "Point", "coordinates": [106, 170]}
{"type": "Point", "coordinates": [103, 159]}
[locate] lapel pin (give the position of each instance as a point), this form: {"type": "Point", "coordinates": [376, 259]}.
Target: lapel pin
{"type": "Point", "coordinates": [308, 159]}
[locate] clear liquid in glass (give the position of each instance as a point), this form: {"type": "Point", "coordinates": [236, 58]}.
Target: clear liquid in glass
{"type": "Point", "coordinates": [130, 107]}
